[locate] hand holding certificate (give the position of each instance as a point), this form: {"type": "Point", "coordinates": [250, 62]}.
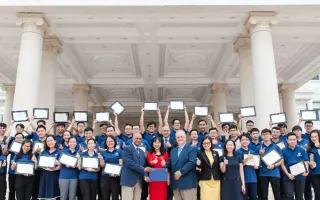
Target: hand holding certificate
{"type": "Point", "coordinates": [19, 116]}
{"type": "Point", "coordinates": [88, 162]}
{"type": "Point", "coordinates": [150, 106]}
{"type": "Point", "coordinates": [201, 111]}
{"type": "Point", "coordinates": [117, 107]}
{"type": "Point", "coordinates": [248, 111]}
{"type": "Point", "coordinates": [226, 117]}
{"type": "Point", "coordinates": [60, 117]}
{"type": "Point", "coordinates": [24, 168]}
{"type": "Point", "coordinates": [298, 168]}
{"type": "Point", "coordinates": [112, 169]}
{"type": "Point", "coordinates": [69, 160]}
{"type": "Point", "coordinates": [41, 113]}
{"type": "Point", "coordinates": [102, 116]}
{"type": "Point", "coordinates": [15, 147]}
{"type": "Point", "coordinates": [254, 161]}
{"type": "Point", "coordinates": [176, 105]}
{"type": "Point", "coordinates": [271, 157]}
{"type": "Point", "coordinates": [47, 161]}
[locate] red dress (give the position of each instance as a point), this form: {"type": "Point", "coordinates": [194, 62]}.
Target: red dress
{"type": "Point", "coordinates": [157, 190]}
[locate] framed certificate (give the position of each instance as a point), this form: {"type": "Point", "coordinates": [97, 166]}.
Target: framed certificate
{"type": "Point", "coordinates": [60, 117]}
{"type": "Point", "coordinates": [226, 117]}
{"type": "Point", "coordinates": [67, 159]}
{"type": "Point", "coordinates": [271, 157]}
{"type": "Point", "coordinates": [15, 147]}
{"type": "Point", "coordinates": [255, 161]}
{"type": "Point", "coordinates": [37, 145]}
{"type": "Point", "coordinates": [278, 118]}
{"type": "Point", "coordinates": [220, 151]}
{"type": "Point", "coordinates": [281, 145]}
{"type": "Point", "coordinates": [308, 115]}
{"type": "Point", "coordinates": [298, 168]}
{"type": "Point", "coordinates": [102, 116]}
{"type": "Point", "coordinates": [150, 106]}
{"type": "Point", "coordinates": [89, 162]}
{"type": "Point", "coordinates": [201, 111]}
{"type": "Point", "coordinates": [80, 116]}
{"type": "Point", "coordinates": [117, 107]}
{"type": "Point", "coordinates": [248, 111]}
{"type": "Point", "coordinates": [46, 161]}
{"type": "Point", "coordinates": [112, 169]}
{"type": "Point", "coordinates": [41, 113]}
{"type": "Point", "coordinates": [19, 115]}
{"type": "Point", "coordinates": [159, 175]}
{"type": "Point", "coordinates": [176, 105]}
{"type": "Point", "coordinates": [25, 168]}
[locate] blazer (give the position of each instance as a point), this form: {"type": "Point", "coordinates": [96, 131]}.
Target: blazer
{"type": "Point", "coordinates": [208, 170]}
{"type": "Point", "coordinates": [186, 164]}
{"type": "Point", "coordinates": [133, 166]}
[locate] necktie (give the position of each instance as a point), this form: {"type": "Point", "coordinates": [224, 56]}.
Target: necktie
{"type": "Point", "coordinates": [137, 151]}
{"type": "Point", "coordinates": [179, 151]}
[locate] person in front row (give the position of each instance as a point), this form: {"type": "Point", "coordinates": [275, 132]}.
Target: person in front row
{"type": "Point", "coordinates": [134, 170]}
{"type": "Point", "coordinates": [182, 166]}
{"type": "Point", "coordinates": [293, 154]}
{"type": "Point", "coordinates": [313, 150]}
{"type": "Point", "coordinates": [209, 162]}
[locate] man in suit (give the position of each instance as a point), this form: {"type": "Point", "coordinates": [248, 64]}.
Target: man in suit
{"type": "Point", "coordinates": [133, 170]}
{"type": "Point", "coordinates": [182, 165]}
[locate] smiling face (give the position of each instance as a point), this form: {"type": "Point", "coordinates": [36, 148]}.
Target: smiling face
{"type": "Point", "coordinates": [151, 128]}
{"type": "Point", "coordinates": [88, 135]}
{"type": "Point", "coordinates": [26, 147]}
{"type": "Point", "coordinates": [213, 134]}
{"type": "Point", "coordinates": [110, 142]}
{"type": "Point", "coordinates": [176, 124]}
{"type": "Point", "coordinates": [66, 136]}
{"type": "Point", "coordinates": [314, 137]}
{"type": "Point", "coordinates": [181, 138]}
{"type": "Point", "coordinates": [137, 139]}
{"type": "Point", "coordinates": [207, 144]}
{"type": "Point", "coordinates": [292, 141]}
{"type": "Point", "coordinates": [50, 142]}
{"type": "Point", "coordinates": [72, 143]}
{"type": "Point", "coordinates": [202, 125]}
{"type": "Point", "coordinates": [91, 145]}
{"type": "Point", "coordinates": [41, 133]}
{"type": "Point", "coordinates": [166, 131]}
{"type": "Point", "coordinates": [230, 146]}
{"type": "Point", "coordinates": [128, 130]}
{"type": "Point", "coordinates": [157, 144]}
{"type": "Point", "coordinates": [194, 135]}
{"type": "Point", "coordinates": [60, 129]}
{"type": "Point", "coordinates": [245, 141]}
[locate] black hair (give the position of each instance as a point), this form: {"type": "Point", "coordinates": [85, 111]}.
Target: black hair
{"type": "Point", "coordinates": [3, 125]}
{"type": "Point", "coordinates": [296, 127]}
{"type": "Point", "coordinates": [128, 125]}
{"type": "Point", "coordinates": [172, 122]}
{"type": "Point", "coordinates": [308, 122]}
{"type": "Point", "coordinates": [103, 124]}
{"type": "Point", "coordinates": [290, 134]}
{"type": "Point", "coordinates": [61, 124]}
{"type": "Point", "coordinates": [80, 123]}
{"type": "Point", "coordinates": [41, 120]}
{"type": "Point", "coordinates": [192, 131]}
{"type": "Point", "coordinates": [225, 124]}
{"type": "Point", "coordinates": [276, 128]}
{"type": "Point", "coordinates": [45, 142]}
{"type": "Point", "coordinates": [72, 137]}
{"type": "Point", "coordinates": [244, 135]}
{"type": "Point", "coordinates": [201, 143]}
{"type": "Point", "coordinates": [266, 130]}
{"type": "Point", "coordinates": [233, 126]}
{"type": "Point", "coordinates": [162, 149]}
{"type": "Point", "coordinates": [225, 152]}
{"type": "Point", "coordinates": [135, 125]}
{"type": "Point", "coordinates": [20, 125]}
{"type": "Point", "coordinates": [111, 127]}
{"type": "Point", "coordinates": [311, 144]}
{"type": "Point", "coordinates": [87, 129]}
{"type": "Point", "coordinates": [280, 125]}
{"type": "Point", "coordinates": [113, 138]}
{"type": "Point", "coordinates": [202, 120]}
{"type": "Point", "coordinates": [249, 121]}
{"type": "Point", "coordinates": [255, 130]}
{"type": "Point", "coordinates": [29, 153]}
{"type": "Point", "coordinates": [17, 135]}
{"type": "Point", "coordinates": [90, 140]}
{"type": "Point", "coordinates": [41, 126]}
{"type": "Point", "coordinates": [152, 123]}
{"type": "Point", "coordinates": [212, 129]}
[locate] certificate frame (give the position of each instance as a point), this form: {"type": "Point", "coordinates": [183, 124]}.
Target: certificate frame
{"type": "Point", "coordinates": [309, 119]}
{"type": "Point", "coordinates": [177, 102]}
{"type": "Point", "coordinates": [245, 107]}
{"type": "Point", "coordinates": [95, 116]}
{"type": "Point", "coordinates": [255, 155]}
{"type": "Point", "coordinates": [112, 165]}
{"type": "Point", "coordinates": [35, 143]}
{"type": "Point", "coordinates": [83, 167]}
{"type": "Point", "coordinates": [24, 163]}
{"type": "Point", "coordinates": [13, 144]}
{"type": "Point", "coordinates": [280, 146]}
{"type": "Point", "coordinates": [143, 148]}
{"type": "Point", "coordinates": [226, 113]}
{"type": "Point", "coordinates": [35, 109]}
{"type": "Point", "coordinates": [201, 115]}
{"type": "Point", "coordinates": [50, 156]}
{"type": "Point", "coordinates": [303, 163]}
{"type": "Point", "coordinates": [62, 154]}
{"type": "Point", "coordinates": [60, 113]}
{"type": "Point", "coordinates": [20, 111]}
{"type": "Point", "coordinates": [149, 102]}
{"type": "Point", "coordinates": [117, 102]}
{"type": "Point", "coordinates": [283, 113]}
{"type": "Point", "coordinates": [76, 112]}
{"type": "Point", "coordinates": [263, 156]}
{"type": "Point", "coordinates": [219, 151]}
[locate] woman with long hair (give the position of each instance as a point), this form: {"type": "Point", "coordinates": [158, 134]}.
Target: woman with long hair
{"type": "Point", "coordinates": [314, 165]}
{"type": "Point", "coordinates": [65, 138]}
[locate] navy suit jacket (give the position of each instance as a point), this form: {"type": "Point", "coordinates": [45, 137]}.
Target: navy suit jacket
{"type": "Point", "coordinates": [186, 164]}
{"type": "Point", "coordinates": [133, 166]}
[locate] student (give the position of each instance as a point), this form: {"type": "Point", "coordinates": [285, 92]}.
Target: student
{"type": "Point", "coordinates": [214, 136]}
{"type": "Point", "coordinates": [276, 137]}
{"type": "Point", "coordinates": [168, 141]}
{"type": "Point", "coordinates": [79, 130]}
{"type": "Point", "coordinates": [150, 132]}
{"type": "Point", "coordinates": [49, 181]}
{"type": "Point", "coordinates": [88, 177]}
{"type": "Point", "coordinates": [234, 136]}
{"type": "Point", "coordinates": [65, 138]}
{"type": "Point", "coordinates": [68, 178]}
{"type": "Point", "coordinates": [255, 142]}
{"type": "Point", "coordinates": [249, 124]}
{"type": "Point", "coordinates": [24, 183]}
{"type": "Point", "coordinates": [300, 141]}
{"type": "Point", "coordinates": [194, 140]}
{"type": "Point", "coordinates": [269, 174]}
{"type": "Point", "coordinates": [250, 175]}
{"type": "Point", "coordinates": [313, 150]}
{"type": "Point", "coordinates": [232, 174]}
{"type": "Point", "coordinates": [110, 183]}
{"type": "Point", "coordinates": [292, 154]}
{"type": "Point", "coordinates": [127, 134]}
{"type": "Point", "coordinates": [103, 132]}
{"type": "Point", "coordinates": [308, 127]}
{"type": "Point", "coordinates": [176, 123]}
{"type": "Point", "coordinates": [34, 135]}
{"type": "Point", "coordinates": [202, 127]}
{"type": "Point", "coordinates": [111, 131]}
{"type": "Point", "coordinates": [88, 135]}
{"type": "Point", "coordinates": [61, 128]}
{"type": "Point", "coordinates": [283, 131]}
{"type": "Point", "coordinates": [3, 183]}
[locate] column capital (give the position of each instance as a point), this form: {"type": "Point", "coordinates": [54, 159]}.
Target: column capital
{"type": "Point", "coordinates": [241, 43]}
{"type": "Point", "coordinates": [286, 87]}
{"type": "Point", "coordinates": [52, 44]}
{"type": "Point", "coordinates": [219, 87]}
{"type": "Point", "coordinates": [8, 87]}
{"type": "Point", "coordinates": [95, 109]}
{"type": "Point", "coordinates": [81, 89]}
{"type": "Point", "coordinates": [259, 21]}
{"type": "Point", "coordinates": [32, 22]}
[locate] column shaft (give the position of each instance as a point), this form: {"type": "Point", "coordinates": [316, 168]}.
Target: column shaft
{"type": "Point", "coordinates": [8, 103]}
{"type": "Point", "coordinates": [81, 97]}
{"type": "Point", "coordinates": [219, 99]}
{"type": "Point", "coordinates": [289, 104]}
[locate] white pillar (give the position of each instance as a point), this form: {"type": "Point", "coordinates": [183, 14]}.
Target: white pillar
{"type": "Point", "coordinates": [29, 65]}
{"type": "Point", "coordinates": [51, 48]}
{"type": "Point", "coordinates": [289, 104]}
{"type": "Point", "coordinates": [8, 103]}
{"type": "Point", "coordinates": [81, 92]}
{"type": "Point", "coordinates": [266, 95]}
{"type": "Point", "coordinates": [219, 99]}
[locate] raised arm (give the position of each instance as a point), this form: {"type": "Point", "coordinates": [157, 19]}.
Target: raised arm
{"type": "Point", "coordinates": [71, 125]}
{"type": "Point", "coordinates": [142, 128]}
{"type": "Point", "coordinates": [26, 129]}
{"type": "Point", "coordinates": [160, 121]}
{"type": "Point", "coordinates": [94, 123]}
{"type": "Point", "coordinates": [240, 122]}
{"type": "Point", "coordinates": [191, 122]}
{"type": "Point", "coordinates": [213, 125]}
{"type": "Point", "coordinates": [50, 127]}
{"type": "Point", "coordinates": [186, 118]}
{"type": "Point", "coordinates": [116, 123]}
{"type": "Point", "coordinates": [166, 117]}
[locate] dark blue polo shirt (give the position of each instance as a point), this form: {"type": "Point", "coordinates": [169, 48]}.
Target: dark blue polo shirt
{"type": "Point", "coordinates": [250, 175]}
{"type": "Point", "coordinates": [111, 157]}
{"type": "Point", "coordinates": [201, 135]}
{"type": "Point", "coordinates": [173, 132]}
{"type": "Point", "coordinates": [316, 152]}
{"type": "Point", "coordinates": [292, 157]}
{"type": "Point", "coordinates": [303, 143]}
{"type": "Point", "coordinates": [84, 174]}
{"type": "Point", "coordinates": [306, 136]}
{"type": "Point", "coordinates": [33, 136]}
{"type": "Point", "coordinates": [148, 137]}
{"type": "Point", "coordinates": [264, 171]}
{"type": "Point", "coordinates": [68, 172]}
{"type": "Point", "coordinates": [124, 137]}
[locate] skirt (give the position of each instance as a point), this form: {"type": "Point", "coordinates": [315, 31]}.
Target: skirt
{"type": "Point", "coordinates": [49, 185]}
{"type": "Point", "coordinates": [231, 190]}
{"type": "Point", "coordinates": [210, 190]}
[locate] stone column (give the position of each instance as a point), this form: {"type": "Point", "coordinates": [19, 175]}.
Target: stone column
{"type": "Point", "coordinates": [219, 100]}
{"type": "Point", "coordinates": [266, 95]}
{"type": "Point", "coordinates": [8, 103]}
{"type": "Point", "coordinates": [289, 104]}
{"type": "Point", "coordinates": [81, 92]}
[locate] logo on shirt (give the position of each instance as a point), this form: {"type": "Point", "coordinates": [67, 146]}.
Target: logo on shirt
{"type": "Point", "coordinates": [117, 154]}
{"type": "Point", "coordinates": [299, 154]}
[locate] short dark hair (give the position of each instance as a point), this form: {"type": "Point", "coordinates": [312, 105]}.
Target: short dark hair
{"type": "Point", "coordinates": [202, 120]}
{"type": "Point", "coordinates": [266, 130]}
{"type": "Point", "coordinates": [88, 129]}
{"type": "Point", "coordinates": [135, 125]}
{"type": "Point", "coordinates": [3, 125]}
{"type": "Point", "coordinates": [225, 124]}
{"type": "Point", "coordinates": [128, 125]}
{"type": "Point", "coordinates": [255, 130]}
{"type": "Point", "coordinates": [192, 131]}
{"type": "Point", "coordinates": [225, 152]}
{"type": "Point", "coordinates": [213, 129]}
{"type": "Point", "coordinates": [244, 135]}
{"type": "Point", "coordinates": [91, 139]}
{"type": "Point", "coordinates": [290, 134]}
{"type": "Point", "coordinates": [152, 123]}
{"type": "Point", "coordinates": [19, 134]}
{"type": "Point", "coordinates": [276, 128]}
{"type": "Point", "coordinates": [103, 124]}
{"type": "Point", "coordinates": [172, 122]}
{"type": "Point", "coordinates": [296, 127]}
{"type": "Point", "coordinates": [233, 127]}
{"type": "Point", "coordinates": [72, 137]}
{"type": "Point", "coordinates": [282, 125]}
{"type": "Point", "coordinates": [114, 139]}
{"type": "Point", "coordinates": [308, 122]}
{"type": "Point", "coordinates": [20, 125]}
{"type": "Point", "coordinates": [41, 126]}
{"type": "Point", "coordinates": [111, 127]}
{"type": "Point", "coordinates": [61, 124]}
{"type": "Point", "coordinates": [45, 142]}
{"type": "Point", "coordinates": [41, 121]}
{"type": "Point", "coordinates": [249, 121]}
{"type": "Point", "coordinates": [29, 153]}
{"type": "Point", "coordinates": [80, 123]}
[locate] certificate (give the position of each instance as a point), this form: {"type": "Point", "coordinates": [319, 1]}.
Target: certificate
{"type": "Point", "coordinates": [15, 147]}
{"type": "Point", "coordinates": [46, 161]}
{"type": "Point", "coordinates": [201, 111]}
{"type": "Point", "coordinates": [278, 118]}
{"type": "Point", "coordinates": [220, 151]}
{"type": "Point", "coordinates": [19, 116]}
{"type": "Point", "coordinates": [255, 161]}
{"type": "Point", "coordinates": [102, 116]}
{"type": "Point", "coordinates": [117, 107]}
{"type": "Point", "coordinates": [41, 113]}
{"type": "Point", "coordinates": [308, 115]}
{"type": "Point", "coordinates": [159, 175]}
{"type": "Point", "coordinates": [89, 162]}
{"type": "Point", "coordinates": [281, 145]}
{"type": "Point", "coordinates": [80, 116]}
{"type": "Point", "coordinates": [117, 146]}
{"type": "Point", "coordinates": [60, 117]}
{"type": "Point", "coordinates": [67, 159]}
{"type": "Point", "coordinates": [37, 145]}
{"type": "Point", "coordinates": [298, 168]}
{"type": "Point", "coordinates": [112, 169]}
{"type": "Point", "coordinates": [226, 117]}
{"type": "Point", "coordinates": [150, 106]}
{"type": "Point", "coordinates": [176, 105]}
{"type": "Point", "coordinates": [143, 148]}
{"type": "Point", "coordinates": [25, 168]}
{"type": "Point", "coordinates": [248, 111]}
{"type": "Point", "coordinates": [271, 157]}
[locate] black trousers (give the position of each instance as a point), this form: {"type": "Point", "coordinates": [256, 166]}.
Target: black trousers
{"type": "Point", "coordinates": [36, 182]}
{"type": "Point", "coordinates": [12, 186]}
{"type": "Point", "coordinates": [307, 189]}
{"type": "Point", "coordinates": [88, 189]}
{"type": "Point", "coordinates": [251, 191]}
{"type": "Point", "coordinates": [2, 187]}
{"type": "Point", "coordinates": [169, 193]}
{"type": "Point", "coordinates": [264, 187]}
{"type": "Point", "coordinates": [293, 189]}
{"type": "Point", "coordinates": [110, 185]}
{"type": "Point", "coordinates": [144, 192]}
{"type": "Point", "coordinates": [315, 180]}
{"type": "Point", "coordinates": [24, 187]}
{"type": "Point", "coordinates": [258, 184]}
{"type": "Point", "coordinates": [99, 192]}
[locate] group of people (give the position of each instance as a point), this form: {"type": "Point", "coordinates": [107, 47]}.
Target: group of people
{"type": "Point", "coordinates": [214, 164]}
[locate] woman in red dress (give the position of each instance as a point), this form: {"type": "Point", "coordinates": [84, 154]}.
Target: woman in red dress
{"type": "Point", "coordinates": [157, 154]}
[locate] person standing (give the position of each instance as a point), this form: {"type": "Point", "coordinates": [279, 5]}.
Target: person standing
{"type": "Point", "coordinates": [313, 150]}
